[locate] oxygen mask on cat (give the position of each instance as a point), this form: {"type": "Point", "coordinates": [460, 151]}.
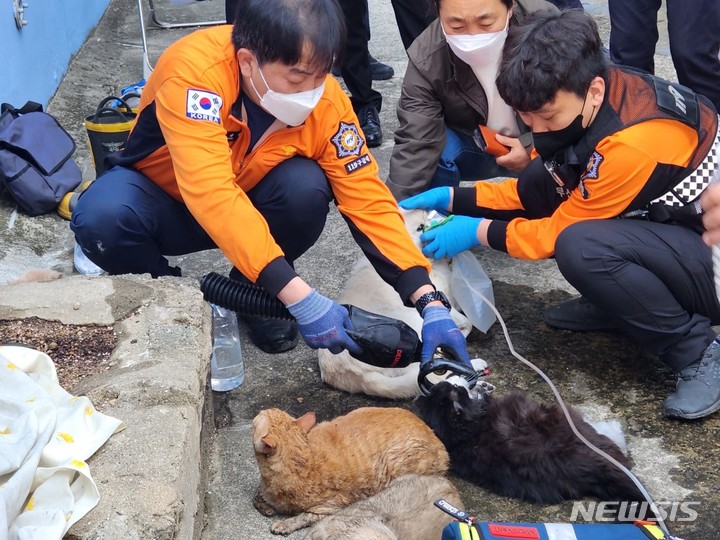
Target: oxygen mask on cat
{"type": "Point", "coordinates": [391, 343]}
{"type": "Point", "coordinates": [442, 368]}
{"type": "Point", "coordinates": [385, 342]}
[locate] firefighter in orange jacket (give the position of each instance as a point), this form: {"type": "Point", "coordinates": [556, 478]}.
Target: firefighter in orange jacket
{"type": "Point", "coordinates": [612, 143]}
{"type": "Point", "coordinates": [241, 142]}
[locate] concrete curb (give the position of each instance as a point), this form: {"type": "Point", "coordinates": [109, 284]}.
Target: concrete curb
{"type": "Point", "coordinates": [151, 475]}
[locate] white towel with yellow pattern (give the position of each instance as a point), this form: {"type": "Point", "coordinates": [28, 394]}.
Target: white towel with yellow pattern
{"type": "Point", "coordinates": [46, 434]}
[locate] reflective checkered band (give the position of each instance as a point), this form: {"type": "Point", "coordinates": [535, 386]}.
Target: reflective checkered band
{"type": "Point", "coordinates": [691, 188]}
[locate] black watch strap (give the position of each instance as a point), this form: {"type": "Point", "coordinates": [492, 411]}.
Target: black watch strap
{"type": "Point", "coordinates": [426, 298]}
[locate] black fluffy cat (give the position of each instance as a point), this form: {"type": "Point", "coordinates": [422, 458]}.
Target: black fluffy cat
{"type": "Point", "coordinates": [516, 447]}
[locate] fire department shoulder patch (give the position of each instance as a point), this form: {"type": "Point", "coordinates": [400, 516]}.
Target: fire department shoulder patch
{"type": "Point", "coordinates": [347, 141]}
{"type": "Point", "coordinates": [592, 171]}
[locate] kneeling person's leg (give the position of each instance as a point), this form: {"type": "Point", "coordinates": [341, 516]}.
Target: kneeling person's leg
{"type": "Point", "coordinates": [655, 282]}
{"type": "Point", "coordinates": [461, 159]}
{"type": "Point", "coordinates": [125, 223]}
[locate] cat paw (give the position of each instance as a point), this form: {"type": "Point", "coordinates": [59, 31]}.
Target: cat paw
{"type": "Point", "coordinates": [281, 527]}
{"type": "Point", "coordinates": [295, 523]}
{"type": "Point", "coordinates": [262, 506]}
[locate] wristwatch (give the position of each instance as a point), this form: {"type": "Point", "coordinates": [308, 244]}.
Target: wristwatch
{"type": "Point", "coordinates": [426, 298]}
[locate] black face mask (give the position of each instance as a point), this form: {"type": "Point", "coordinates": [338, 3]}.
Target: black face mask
{"type": "Point", "coordinates": [550, 143]}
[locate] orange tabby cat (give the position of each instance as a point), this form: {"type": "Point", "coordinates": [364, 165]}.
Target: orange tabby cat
{"type": "Point", "coordinates": [315, 470]}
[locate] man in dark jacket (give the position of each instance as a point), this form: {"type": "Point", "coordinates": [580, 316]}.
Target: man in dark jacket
{"type": "Point", "coordinates": [448, 89]}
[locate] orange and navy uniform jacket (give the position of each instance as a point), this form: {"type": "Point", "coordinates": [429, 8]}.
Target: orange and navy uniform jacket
{"type": "Point", "coordinates": [649, 138]}
{"type": "Point", "coordinates": [190, 139]}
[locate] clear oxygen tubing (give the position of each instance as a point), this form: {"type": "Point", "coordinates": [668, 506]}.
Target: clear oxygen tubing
{"type": "Point", "coordinates": [648, 498]}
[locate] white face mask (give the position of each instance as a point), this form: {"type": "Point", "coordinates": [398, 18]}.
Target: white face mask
{"type": "Point", "coordinates": [292, 109]}
{"type": "Point", "coordinates": [478, 49]}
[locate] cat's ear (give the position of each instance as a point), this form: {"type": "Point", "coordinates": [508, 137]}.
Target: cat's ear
{"type": "Point", "coordinates": [459, 398]}
{"type": "Point", "coordinates": [306, 422]}
{"type": "Point", "coordinates": [267, 445]}
{"type": "Point", "coordinates": [262, 442]}
{"type": "Point", "coordinates": [458, 408]}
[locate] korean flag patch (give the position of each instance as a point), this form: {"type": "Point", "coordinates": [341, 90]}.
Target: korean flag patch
{"type": "Point", "coordinates": [202, 105]}
{"type": "Point", "coordinates": [347, 141]}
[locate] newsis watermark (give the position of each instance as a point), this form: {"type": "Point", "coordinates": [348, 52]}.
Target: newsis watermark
{"type": "Point", "coordinates": [629, 512]}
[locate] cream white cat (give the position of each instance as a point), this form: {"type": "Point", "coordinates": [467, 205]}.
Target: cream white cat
{"type": "Point", "coordinates": [366, 290]}
{"type": "Point", "coordinates": [401, 511]}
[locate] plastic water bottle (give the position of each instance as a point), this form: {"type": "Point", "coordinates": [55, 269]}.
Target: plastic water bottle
{"type": "Point", "coordinates": [227, 370]}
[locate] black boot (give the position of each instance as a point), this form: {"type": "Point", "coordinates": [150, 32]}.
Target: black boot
{"type": "Point", "coordinates": [380, 71]}
{"type": "Point", "coordinates": [272, 335]}
{"type": "Point", "coordinates": [698, 388]}
{"type": "Point", "coordinates": [370, 124]}
{"type": "Point", "coordinates": [269, 335]}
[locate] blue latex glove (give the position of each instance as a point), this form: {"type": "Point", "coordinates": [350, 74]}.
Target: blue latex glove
{"type": "Point", "coordinates": [322, 323]}
{"type": "Point", "coordinates": [452, 237]}
{"type": "Point", "coordinates": [433, 199]}
{"type": "Point", "coordinates": [440, 330]}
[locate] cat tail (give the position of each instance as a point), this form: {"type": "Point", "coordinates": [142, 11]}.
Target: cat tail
{"type": "Point", "coordinates": [629, 500]}
{"type": "Point", "coordinates": [619, 487]}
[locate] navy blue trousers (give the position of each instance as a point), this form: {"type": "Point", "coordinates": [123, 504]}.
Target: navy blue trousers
{"type": "Point", "coordinates": [355, 57]}
{"type": "Point", "coordinates": [694, 33]}
{"type": "Point", "coordinates": [655, 279]}
{"type": "Point", "coordinates": [412, 17]}
{"type": "Point", "coordinates": [126, 224]}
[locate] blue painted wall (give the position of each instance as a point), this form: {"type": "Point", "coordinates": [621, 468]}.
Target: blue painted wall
{"type": "Point", "coordinates": [36, 58]}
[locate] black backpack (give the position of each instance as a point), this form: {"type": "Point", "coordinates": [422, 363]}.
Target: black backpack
{"type": "Point", "coordinates": [36, 164]}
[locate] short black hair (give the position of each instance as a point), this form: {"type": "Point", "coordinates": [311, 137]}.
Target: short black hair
{"type": "Point", "coordinates": [277, 30]}
{"type": "Point", "coordinates": [436, 3]}
{"type": "Point", "coordinates": [550, 52]}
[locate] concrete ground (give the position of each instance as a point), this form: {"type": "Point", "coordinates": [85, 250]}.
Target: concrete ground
{"type": "Point", "coordinates": [184, 467]}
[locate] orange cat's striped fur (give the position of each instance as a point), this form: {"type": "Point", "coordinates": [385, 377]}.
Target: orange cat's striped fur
{"type": "Point", "coordinates": [314, 470]}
